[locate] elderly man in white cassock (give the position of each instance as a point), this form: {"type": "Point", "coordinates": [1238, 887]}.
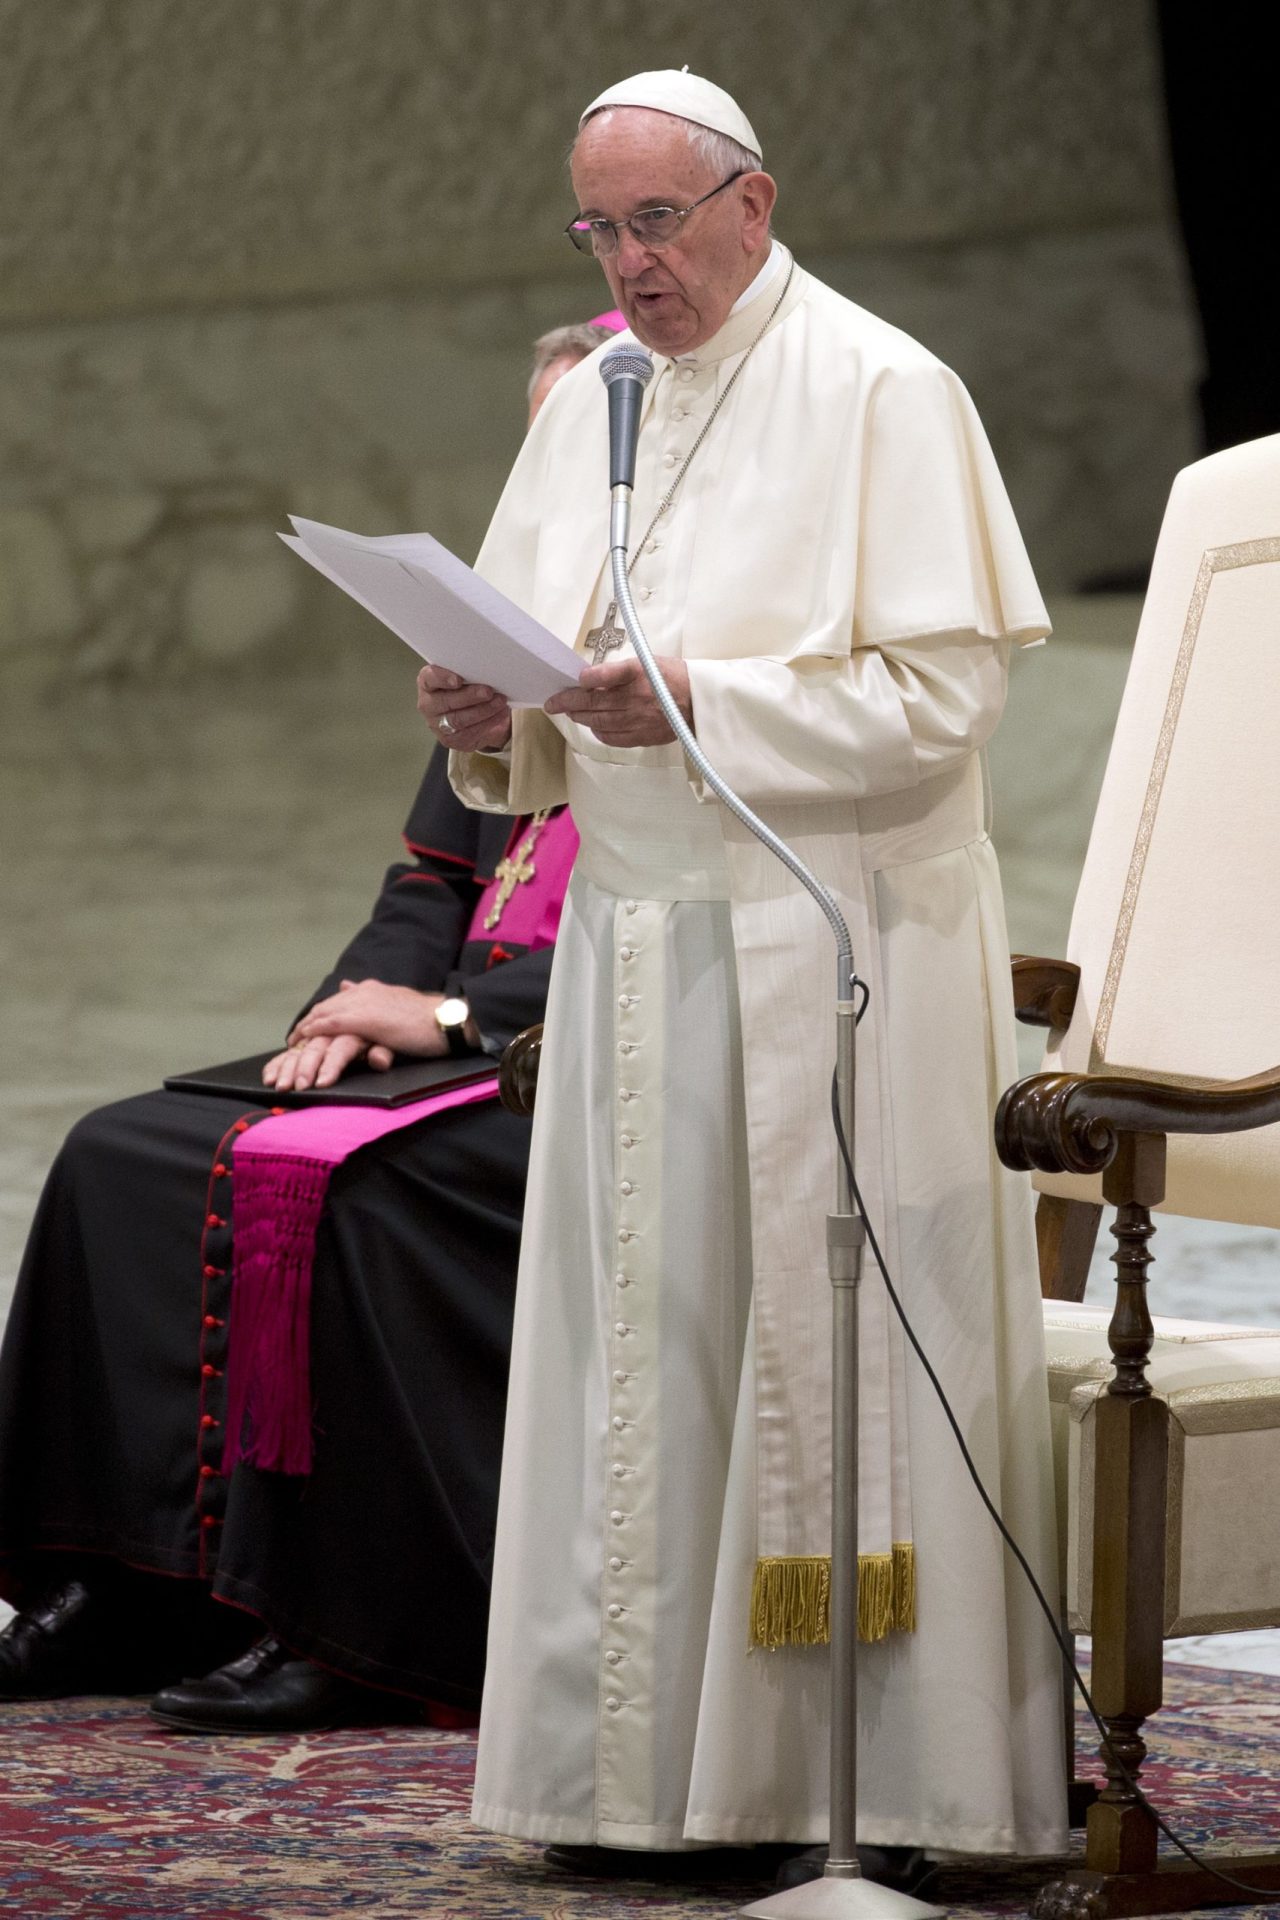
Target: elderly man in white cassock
{"type": "Point", "coordinates": [827, 565]}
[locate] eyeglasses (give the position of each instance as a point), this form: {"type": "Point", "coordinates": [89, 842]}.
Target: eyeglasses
{"type": "Point", "coordinates": [654, 227]}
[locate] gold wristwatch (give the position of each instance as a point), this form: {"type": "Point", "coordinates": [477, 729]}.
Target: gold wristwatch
{"type": "Point", "coordinates": [452, 1015]}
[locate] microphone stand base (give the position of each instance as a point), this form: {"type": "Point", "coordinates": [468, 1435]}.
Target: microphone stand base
{"type": "Point", "coordinates": [834, 1897]}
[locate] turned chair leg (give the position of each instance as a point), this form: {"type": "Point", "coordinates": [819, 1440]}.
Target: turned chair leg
{"type": "Point", "coordinates": [1130, 1475]}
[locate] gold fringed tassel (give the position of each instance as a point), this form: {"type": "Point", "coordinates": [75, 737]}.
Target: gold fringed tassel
{"type": "Point", "coordinates": [791, 1598]}
{"type": "Point", "coordinates": [904, 1587]}
{"type": "Point", "coordinates": [875, 1595]}
{"type": "Point", "coordinates": [791, 1602]}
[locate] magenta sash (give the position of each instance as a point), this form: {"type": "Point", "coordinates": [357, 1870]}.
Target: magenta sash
{"type": "Point", "coordinates": [531, 917]}
{"type": "Point", "coordinates": [282, 1166]}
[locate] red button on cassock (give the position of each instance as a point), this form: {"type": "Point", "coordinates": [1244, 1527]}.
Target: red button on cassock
{"type": "Point", "coordinates": [241, 1126]}
{"type": "Point", "coordinates": [207, 1420]}
{"type": "Point", "coordinates": [214, 1220]}
{"type": "Point", "coordinates": [220, 1172]}
{"type": "Point", "coordinates": [211, 1320]}
{"type": "Point", "coordinates": [208, 1520]}
{"type": "Point", "coordinates": [210, 1373]}
{"type": "Point", "coordinates": [209, 1473]}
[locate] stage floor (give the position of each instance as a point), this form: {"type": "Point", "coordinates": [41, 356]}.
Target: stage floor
{"type": "Point", "coordinates": [103, 1813]}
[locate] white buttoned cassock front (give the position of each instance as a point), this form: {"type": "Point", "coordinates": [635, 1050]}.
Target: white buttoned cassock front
{"type": "Point", "coordinates": [841, 570]}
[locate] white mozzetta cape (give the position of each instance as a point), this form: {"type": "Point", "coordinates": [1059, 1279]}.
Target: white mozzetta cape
{"type": "Point", "coordinates": [840, 543]}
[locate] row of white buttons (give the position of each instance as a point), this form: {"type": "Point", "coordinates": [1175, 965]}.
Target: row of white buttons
{"type": "Point", "coordinates": [686, 376]}
{"type": "Point", "coordinates": [615, 1611]}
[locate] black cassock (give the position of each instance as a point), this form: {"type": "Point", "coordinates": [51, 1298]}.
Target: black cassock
{"type": "Point", "coordinates": [377, 1564]}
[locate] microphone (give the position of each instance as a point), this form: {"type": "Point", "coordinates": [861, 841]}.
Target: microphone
{"type": "Point", "coordinates": [626, 372]}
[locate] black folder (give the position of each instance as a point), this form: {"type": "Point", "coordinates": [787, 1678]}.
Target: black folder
{"type": "Point", "coordinates": [360, 1087]}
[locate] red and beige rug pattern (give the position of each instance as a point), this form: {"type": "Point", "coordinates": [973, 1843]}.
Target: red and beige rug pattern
{"type": "Point", "coordinates": [104, 1816]}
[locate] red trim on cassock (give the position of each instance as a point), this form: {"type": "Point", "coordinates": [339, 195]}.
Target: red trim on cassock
{"type": "Point", "coordinates": [437, 853]}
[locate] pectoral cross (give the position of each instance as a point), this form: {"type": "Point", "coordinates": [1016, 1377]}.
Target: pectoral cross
{"type": "Point", "coordinates": [516, 869]}
{"type": "Point", "coordinates": [510, 874]}
{"type": "Point", "coordinates": [606, 637]}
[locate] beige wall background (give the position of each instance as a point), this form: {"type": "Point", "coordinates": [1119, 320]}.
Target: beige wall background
{"type": "Point", "coordinates": [270, 255]}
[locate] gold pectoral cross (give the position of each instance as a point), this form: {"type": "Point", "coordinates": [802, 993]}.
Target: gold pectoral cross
{"type": "Point", "coordinates": [509, 874]}
{"type": "Point", "coordinates": [516, 869]}
{"type": "Point", "coordinates": [607, 636]}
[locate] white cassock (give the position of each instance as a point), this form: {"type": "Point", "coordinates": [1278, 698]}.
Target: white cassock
{"type": "Point", "coordinates": [842, 573]}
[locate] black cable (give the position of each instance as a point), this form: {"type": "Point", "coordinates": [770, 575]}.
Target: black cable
{"type": "Point", "coordinates": [1050, 1614]}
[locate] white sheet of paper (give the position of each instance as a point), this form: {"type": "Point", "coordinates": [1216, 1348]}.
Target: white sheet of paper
{"type": "Point", "coordinates": [440, 608]}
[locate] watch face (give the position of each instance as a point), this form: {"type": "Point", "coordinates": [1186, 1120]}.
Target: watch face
{"type": "Point", "coordinates": [453, 1013]}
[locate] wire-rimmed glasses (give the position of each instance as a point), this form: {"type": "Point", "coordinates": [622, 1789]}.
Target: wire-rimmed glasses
{"type": "Point", "coordinates": [654, 227]}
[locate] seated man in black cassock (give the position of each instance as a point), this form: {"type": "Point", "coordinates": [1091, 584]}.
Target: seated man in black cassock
{"type": "Point", "coordinates": [119, 1531]}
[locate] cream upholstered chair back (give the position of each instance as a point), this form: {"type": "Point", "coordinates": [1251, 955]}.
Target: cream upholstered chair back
{"type": "Point", "coordinates": [1176, 926]}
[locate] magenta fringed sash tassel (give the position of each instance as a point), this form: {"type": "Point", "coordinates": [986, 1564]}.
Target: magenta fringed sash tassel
{"type": "Point", "coordinates": [282, 1170]}
{"type": "Point", "coordinates": [278, 1203]}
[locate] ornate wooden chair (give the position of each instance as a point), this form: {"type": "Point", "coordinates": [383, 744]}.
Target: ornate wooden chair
{"type": "Point", "coordinates": [1151, 1098]}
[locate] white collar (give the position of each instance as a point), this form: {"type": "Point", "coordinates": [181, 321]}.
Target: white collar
{"type": "Point", "coordinates": [769, 271]}
{"type": "Point", "coordinates": [741, 327]}
{"type": "Point", "coordinates": [773, 265]}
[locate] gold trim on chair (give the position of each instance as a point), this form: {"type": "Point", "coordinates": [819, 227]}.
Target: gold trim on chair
{"type": "Point", "coordinates": [1227, 1406]}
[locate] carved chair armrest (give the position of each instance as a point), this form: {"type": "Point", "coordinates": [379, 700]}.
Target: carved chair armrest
{"type": "Point", "coordinates": [1044, 991]}
{"type": "Point", "coordinates": [1118, 1127]}
{"type": "Point", "coordinates": [1073, 1122]}
{"type": "Point", "coordinates": [518, 1071]}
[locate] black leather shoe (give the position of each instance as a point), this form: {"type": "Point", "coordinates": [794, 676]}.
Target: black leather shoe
{"type": "Point", "coordinates": [691, 1867]}
{"type": "Point", "coordinates": [905, 1869]}
{"type": "Point", "coordinates": [69, 1642]}
{"type": "Point", "coordinates": [270, 1690]}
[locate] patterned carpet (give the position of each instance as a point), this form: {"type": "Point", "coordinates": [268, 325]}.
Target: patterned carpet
{"type": "Point", "coordinates": [104, 1814]}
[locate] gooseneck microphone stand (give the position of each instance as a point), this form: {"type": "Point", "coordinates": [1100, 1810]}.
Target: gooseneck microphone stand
{"type": "Point", "coordinates": [841, 1893]}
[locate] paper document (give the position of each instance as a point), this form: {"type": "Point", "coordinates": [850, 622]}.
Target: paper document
{"type": "Point", "coordinates": [443, 610]}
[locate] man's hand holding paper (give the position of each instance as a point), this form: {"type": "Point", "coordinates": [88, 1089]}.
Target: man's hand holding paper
{"type": "Point", "coordinates": [614, 701]}
{"type": "Point", "coordinates": [463, 716]}
{"type": "Point", "coordinates": [617, 704]}
{"type": "Point", "coordinates": [444, 611]}
{"type": "Point", "coordinates": [459, 623]}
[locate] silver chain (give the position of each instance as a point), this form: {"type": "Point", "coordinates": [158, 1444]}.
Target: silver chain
{"type": "Point", "coordinates": [710, 421]}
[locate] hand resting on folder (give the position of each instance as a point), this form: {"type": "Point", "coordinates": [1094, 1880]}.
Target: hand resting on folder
{"type": "Point", "coordinates": [365, 1019]}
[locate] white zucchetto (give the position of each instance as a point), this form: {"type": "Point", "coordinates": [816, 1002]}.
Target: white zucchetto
{"type": "Point", "coordinates": [685, 95]}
